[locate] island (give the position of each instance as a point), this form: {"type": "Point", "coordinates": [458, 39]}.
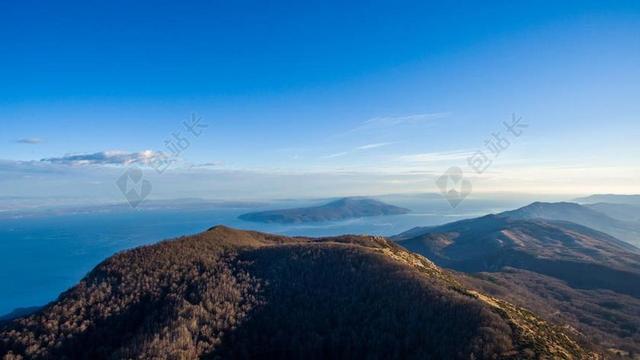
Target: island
{"type": "Point", "coordinates": [342, 209]}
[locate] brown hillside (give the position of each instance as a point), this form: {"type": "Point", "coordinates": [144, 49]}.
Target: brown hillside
{"type": "Point", "coordinates": [233, 294]}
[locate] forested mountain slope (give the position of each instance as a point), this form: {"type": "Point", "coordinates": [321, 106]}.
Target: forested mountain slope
{"type": "Point", "coordinates": [226, 293]}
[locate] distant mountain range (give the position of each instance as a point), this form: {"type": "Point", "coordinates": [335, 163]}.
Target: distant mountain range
{"type": "Point", "coordinates": [234, 294]}
{"type": "Point", "coordinates": [567, 272]}
{"type": "Point", "coordinates": [610, 198]}
{"type": "Point", "coordinates": [624, 212]}
{"type": "Point", "coordinates": [343, 209]}
{"type": "Point", "coordinates": [579, 214]}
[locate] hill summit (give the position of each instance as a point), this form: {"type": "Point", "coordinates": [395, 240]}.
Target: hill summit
{"type": "Point", "coordinates": [231, 294]}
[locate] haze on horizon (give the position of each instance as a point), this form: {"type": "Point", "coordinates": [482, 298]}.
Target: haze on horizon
{"type": "Point", "coordinates": [318, 99]}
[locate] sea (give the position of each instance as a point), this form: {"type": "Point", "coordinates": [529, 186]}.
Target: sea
{"type": "Point", "coordinates": [45, 253]}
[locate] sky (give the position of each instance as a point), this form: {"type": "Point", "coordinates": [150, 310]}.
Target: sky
{"type": "Point", "coordinates": [275, 99]}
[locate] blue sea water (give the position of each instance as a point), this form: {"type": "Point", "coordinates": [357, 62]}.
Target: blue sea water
{"type": "Point", "coordinates": [41, 256]}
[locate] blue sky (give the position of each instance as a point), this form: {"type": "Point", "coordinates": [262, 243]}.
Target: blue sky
{"type": "Point", "coordinates": [319, 98]}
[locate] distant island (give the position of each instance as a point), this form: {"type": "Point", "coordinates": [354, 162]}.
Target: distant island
{"type": "Point", "coordinates": [343, 209]}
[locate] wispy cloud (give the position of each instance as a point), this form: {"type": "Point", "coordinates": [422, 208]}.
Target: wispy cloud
{"type": "Point", "coordinates": [404, 120]}
{"type": "Point", "coordinates": [359, 148]}
{"type": "Point", "coordinates": [108, 158]}
{"type": "Point", "coordinates": [336, 155]}
{"type": "Point", "coordinates": [373, 146]}
{"type": "Point", "coordinates": [436, 156]}
{"type": "Point", "coordinates": [208, 164]}
{"type": "Point", "coordinates": [30, 141]}
{"type": "Point", "coordinates": [386, 122]}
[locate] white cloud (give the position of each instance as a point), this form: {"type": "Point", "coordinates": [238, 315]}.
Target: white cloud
{"type": "Point", "coordinates": [436, 156]}
{"type": "Point", "coordinates": [30, 141]}
{"type": "Point", "coordinates": [113, 157]}
{"type": "Point", "coordinates": [404, 120]}
{"type": "Point", "coordinates": [359, 148]}
{"type": "Point", "coordinates": [210, 164]}
{"type": "Point", "coordinates": [336, 155]}
{"type": "Point", "coordinates": [373, 146]}
{"type": "Point", "coordinates": [379, 123]}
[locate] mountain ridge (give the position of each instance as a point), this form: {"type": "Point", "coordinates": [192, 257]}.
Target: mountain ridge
{"type": "Point", "coordinates": [582, 215]}
{"type": "Point", "coordinates": [232, 294]}
{"type": "Point", "coordinates": [559, 211]}
{"type": "Point", "coordinates": [586, 276]}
